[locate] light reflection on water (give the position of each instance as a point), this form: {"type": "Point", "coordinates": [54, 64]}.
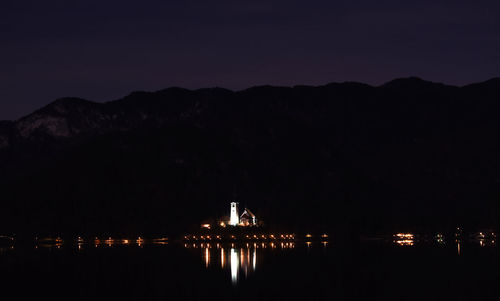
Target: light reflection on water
{"type": "Point", "coordinates": [5, 249]}
{"type": "Point", "coordinates": [242, 260]}
{"type": "Point", "coordinates": [239, 259]}
{"type": "Point", "coordinates": [409, 239]}
{"type": "Point", "coordinates": [234, 266]}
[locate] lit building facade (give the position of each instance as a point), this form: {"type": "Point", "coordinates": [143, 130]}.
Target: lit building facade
{"type": "Point", "coordinates": [247, 218]}
{"type": "Point", "coordinates": [234, 219]}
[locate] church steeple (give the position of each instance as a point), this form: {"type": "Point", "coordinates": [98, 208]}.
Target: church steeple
{"type": "Point", "coordinates": [234, 218]}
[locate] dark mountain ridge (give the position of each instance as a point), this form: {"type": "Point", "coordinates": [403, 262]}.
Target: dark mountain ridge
{"type": "Point", "coordinates": [407, 154]}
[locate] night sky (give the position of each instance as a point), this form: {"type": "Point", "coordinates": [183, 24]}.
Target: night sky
{"type": "Point", "coordinates": [102, 50]}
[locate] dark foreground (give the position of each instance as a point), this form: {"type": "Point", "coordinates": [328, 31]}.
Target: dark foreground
{"type": "Point", "coordinates": [292, 271]}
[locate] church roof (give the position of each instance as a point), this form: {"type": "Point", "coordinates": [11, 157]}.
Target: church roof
{"type": "Point", "coordinates": [248, 212]}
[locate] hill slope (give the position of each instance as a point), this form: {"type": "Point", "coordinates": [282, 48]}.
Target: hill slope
{"type": "Point", "coordinates": [409, 153]}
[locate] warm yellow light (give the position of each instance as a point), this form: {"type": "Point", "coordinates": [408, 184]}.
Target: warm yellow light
{"type": "Point", "coordinates": [222, 258]}
{"type": "Point", "coordinates": [405, 242]}
{"type": "Point", "coordinates": [405, 235]}
{"type": "Point", "coordinates": [207, 257]}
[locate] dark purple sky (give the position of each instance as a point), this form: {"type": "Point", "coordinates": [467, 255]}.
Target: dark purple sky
{"type": "Point", "coordinates": [102, 50]}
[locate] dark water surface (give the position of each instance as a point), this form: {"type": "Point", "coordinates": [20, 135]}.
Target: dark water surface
{"type": "Point", "coordinates": [291, 271]}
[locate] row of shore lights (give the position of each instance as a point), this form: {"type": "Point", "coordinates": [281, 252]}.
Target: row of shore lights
{"type": "Point", "coordinates": [218, 237]}
{"type": "Point", "coordinates": [270, 236]}
{"type": "Point", "coordinates": [109, 241]}
{"type": "Point", "coordinates": [139, 241]}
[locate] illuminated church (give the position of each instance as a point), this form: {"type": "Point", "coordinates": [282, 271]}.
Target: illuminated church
{"type": "Point", "coordinates": [247, 218]}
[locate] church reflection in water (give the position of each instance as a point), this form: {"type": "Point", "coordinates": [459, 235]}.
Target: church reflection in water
{"type": "Point", "coordinates": [241, 260]}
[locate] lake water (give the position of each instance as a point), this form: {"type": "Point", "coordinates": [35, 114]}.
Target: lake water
{"type": "Point", "coordinates": [288, 271]}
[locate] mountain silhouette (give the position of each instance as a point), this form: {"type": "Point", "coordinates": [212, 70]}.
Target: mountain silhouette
{"type": "Point", "coordinates": [409, 154]}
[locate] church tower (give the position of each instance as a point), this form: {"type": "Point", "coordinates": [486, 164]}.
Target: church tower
{"type": "Point", "coordinates": [234, 218]}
